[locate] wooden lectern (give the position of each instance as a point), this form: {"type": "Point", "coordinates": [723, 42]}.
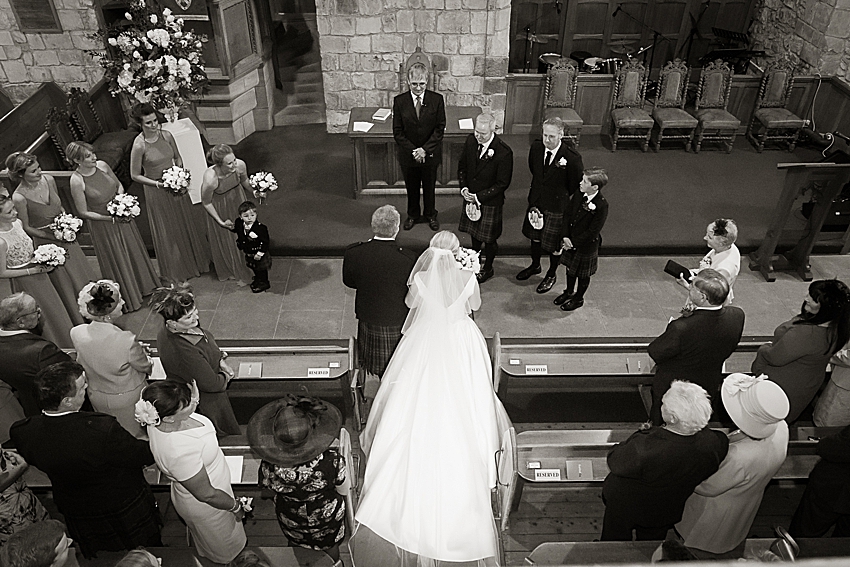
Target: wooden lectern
{"type": "Point", "coordinates": [826, 181]}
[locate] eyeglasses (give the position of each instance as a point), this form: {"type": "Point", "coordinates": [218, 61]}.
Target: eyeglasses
{"type": "Point", "coordinates": [37, 311]}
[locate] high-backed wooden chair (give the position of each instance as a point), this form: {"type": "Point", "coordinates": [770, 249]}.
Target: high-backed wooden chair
{"type": "Point", "coordinates": [112, 147]}
{"type": "Point", "coordinates": [58, 127]}
{"type": "Point", "coordinates": [627, 106]}
{"type": "Point", "coordinates": [669, 113]}
{"type": "Point", "coordinates": [715, 123]}
{"type": "Point", "coordinates": [559, 97]}
{"type": "Point", "coordinates": [771, 120]}
{"type": "Point", "coordinates": [417, 56]}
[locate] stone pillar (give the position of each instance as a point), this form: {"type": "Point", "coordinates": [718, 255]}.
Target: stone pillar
{"type": "Point", "coordinates": [363, 42]}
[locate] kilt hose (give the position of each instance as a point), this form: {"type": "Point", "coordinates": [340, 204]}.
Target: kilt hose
{"type": "Point", "coordinates": [486, 229]}
{"type": "Point", "coordinates": [375, 346]}
{"type": "Point", "coordinates": [550, 235]}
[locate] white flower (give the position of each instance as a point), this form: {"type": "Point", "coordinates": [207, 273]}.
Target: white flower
{"type": "Point", "coordinates": [145, 413]}
{"type": "Point", "coordinates": [159, 36]}
{"type": "Point", "coordinates": [113, 42]}
{"type": "Point", "coordinates": [176, 179]}
{"type": "Point", "coordinates": [562, 162]}
{"type": "Point", "coordinates": [262, 182]}
{"type": "Point", "coordinates": [166, 12]}
{"type": "Point", "coordinates": [125, 78]}
{"type": "Point", "coordinates": [65, 227]}
{"type": "Point", "coordinates": [49, 255]}
{"type": "Point", "coordinates": [153, 18]}
{"type": "Point", "coordinates": [128, 16]}
{"type": "Point", "coordinates": [490, 153]}
{"type": "Point", "coordinates": [468, 260]}
{"type": "Point", "coordinates": [591, 206]}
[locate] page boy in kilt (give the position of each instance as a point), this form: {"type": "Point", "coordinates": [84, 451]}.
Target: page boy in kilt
{"type": "Point", "coordinates": [582, 236]}
{"type": "Point", "coordinates": [252, 238]}
{"type": "Point", "coordinates": [555, 175]}
{"type": "Point", "coordinates": [484, 172]}
{"type": "Point", "coordinates": [378, 269]}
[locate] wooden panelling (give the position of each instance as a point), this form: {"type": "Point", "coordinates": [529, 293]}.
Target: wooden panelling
{"type": "Point", "coordinates": [21, 127]}
{"type": "Point", "coordinates": [108, 108]}
{"type": "Point", "coordinates": [524, 102]}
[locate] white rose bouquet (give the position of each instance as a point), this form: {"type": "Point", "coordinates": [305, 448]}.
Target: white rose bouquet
{"type": "Point", "coordinates": [176, 179]}
{"type": "Point", "coordinates": [468, 260]}
{"type": "Point", "coordinates": [65, 227]}
{"type": "Point", "coordinates": [49, 255]}
{"type": "Point", "coordinates": [123, 207]}
{"type": "Point", "coordinates": [262, 183]}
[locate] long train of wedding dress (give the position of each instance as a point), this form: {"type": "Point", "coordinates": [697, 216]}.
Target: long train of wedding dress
{"type": "Point", "coordinates": [433, 434]}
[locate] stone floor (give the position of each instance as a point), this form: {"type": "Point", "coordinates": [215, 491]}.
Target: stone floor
{"type": "Point", "coordinates": [629, 296]}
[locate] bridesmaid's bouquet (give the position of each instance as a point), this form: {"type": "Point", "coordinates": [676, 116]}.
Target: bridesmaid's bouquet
{"type": "Point", "coordinates": [262, 183]}
{"type": "Point", "coordinates": [65, 227]}
{"type": "Point", "coordinates": [49, 255]}
{"type": "Point", "coordinates": [176, 179]}
{"type": "Point", "coordinates": [123, 207]}
{"type": "Point", "coordinates": [468, 260]}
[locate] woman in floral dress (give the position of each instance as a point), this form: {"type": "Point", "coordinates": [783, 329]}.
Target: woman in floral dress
{"type": "Point", "coordinates": [293, 436]}
{"type": "Point", "coordinates": [19, 507]}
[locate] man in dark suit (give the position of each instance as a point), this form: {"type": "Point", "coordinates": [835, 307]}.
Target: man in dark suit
{"type": "Point", "coordinates": [484, 172]}
{"type": "Point", "coordinates": [95, 466]}
{"type": "Point", "coordinates": [419, 119]}
{"type": "Point", "coordinates": [556, 170]}
{"type": "Point", "coordinates": [378, 269]}
{"type": "Point", "coordinates": [694, 346]}
{"type": "Point", "coordinates": [23, 351]}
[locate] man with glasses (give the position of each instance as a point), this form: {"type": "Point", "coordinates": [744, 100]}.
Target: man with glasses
{"type": "Point", "coordinates": [96, 468]}
{"type": "Point", "coordinates": [419, 120]}
{"type": "Point", "coordinates": [24, 353]}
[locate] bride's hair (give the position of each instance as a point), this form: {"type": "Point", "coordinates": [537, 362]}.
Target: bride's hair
{"type": "Point", "coordinates": [446, 240]}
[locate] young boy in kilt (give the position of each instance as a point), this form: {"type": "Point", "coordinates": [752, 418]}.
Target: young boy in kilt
{"type": "Point", "coordinates": [582, 236]}
{"type": "Point", "coordinates": [252, 238]}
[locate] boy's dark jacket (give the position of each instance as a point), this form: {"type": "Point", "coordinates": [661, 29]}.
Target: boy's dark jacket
{"type": "Point", "coordinates": [248, 245]}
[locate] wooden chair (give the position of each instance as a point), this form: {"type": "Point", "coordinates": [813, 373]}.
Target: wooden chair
{"type": "Point", "coordinates": [771, 120]}
{"type": "Point", "coordinates": [559, 98]}
{"type": "Point", "coordinates": [417, 57]}
{"type": "Point", "coordinates": [669, 113]}
{"type": "Point", "coordinates": [715, 123]}
{"type": "Point", "coordinates": [58, 127]}
{"type": "Point", "coordinates": [627, 105]}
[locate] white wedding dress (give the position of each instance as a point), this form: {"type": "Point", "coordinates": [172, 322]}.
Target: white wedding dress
{"type": "Point", "coordinates": [436, 426]}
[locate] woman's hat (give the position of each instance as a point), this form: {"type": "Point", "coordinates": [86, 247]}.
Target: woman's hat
{"type": "Point", "coordinates": [294, 429]}
{"type": "Point", "coordinates": [755, 404]}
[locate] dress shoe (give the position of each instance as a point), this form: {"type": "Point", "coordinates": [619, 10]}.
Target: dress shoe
{"type": "Point", "coordinates": [573, 304]}
{"type": "Point", "coordinates": [484, 275]}
{"type": "Point", "coordinates": [528, 272]}
{"type": "Point", "coordinates": [434, 224]}
{"type": "Point", "coordinates": [563, 297]}
{"type": "Point", "coordinates": [546, 284]}
{"type": "Point", "coordinates": [260, 287]}
{"type": "Point", "coordinates": [409, 222]}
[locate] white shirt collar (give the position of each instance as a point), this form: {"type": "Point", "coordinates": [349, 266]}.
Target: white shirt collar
{"type": "Point", "coordinates": [554, 152]}
{"type": "Point", "coordinates": [486, 144]}
{"type": "Point", "coordinates": [59, 413]}
{"type": "Point", "coordinates": [589, 198]}
{"type": "Point", "coordinates": [415, 97]}
{"type": "Point", "coordinates": [5, 333]}
{"type": "Point", "coordinates": [382, 238]}
{"type": "Point", "coordinates": [710, 308]}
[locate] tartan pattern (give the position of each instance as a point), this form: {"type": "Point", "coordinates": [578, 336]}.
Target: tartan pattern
{"type": "Point", "coordinates": [375, 346]}
{"type": "Point", "coordinates": [580, 265]}
{"type": "Point", "coordinates": [550, 235]}
{"type": "Point", "coordinates": [486, 229]}
{"type": "Point", "coordinates": [136, 523]}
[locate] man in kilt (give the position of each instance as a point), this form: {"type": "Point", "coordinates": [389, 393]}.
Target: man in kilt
{"type": "Point", "coordinates": [484, 172]}
{"type": "Point", "coordinates": [582, 228]}
{"type": "Point", "coordinates": [555, 175]}
{"type": "Point", "coordinates": [96, 468]}
{"type": "Point", "coordinates": [378, 269]}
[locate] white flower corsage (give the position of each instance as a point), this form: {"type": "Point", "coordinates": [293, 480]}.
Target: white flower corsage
{"type": "Point", "coordinates": [591, 206]}
{"type": "Point", "coordinates": [562, 162]}
{"type": "Point", "coordinates": [490, 153]}
{"type": "Point", "coordinates": [146, 413]}
{"type": "Point", "coordinates": [739, 382]}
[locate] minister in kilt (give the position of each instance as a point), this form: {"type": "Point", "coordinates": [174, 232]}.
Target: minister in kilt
{"type": "Point", "coordinates": [378, 269]}
{"type": "Point", "coordinates": [555, 175]}
{"type": "Point", "coordinates": [582, 236]}
{"type": "Point", "coordinates": [484, 172]}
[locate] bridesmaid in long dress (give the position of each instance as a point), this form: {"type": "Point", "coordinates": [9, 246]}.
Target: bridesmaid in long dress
{"type": "Point", "coordinates": [16, 265]}
{"type": "Point", "coordinates": [117, 243]}
{"type": "Point", "coordinates": [37, 202]}
{"type": "Point", "coordinates": [222, 191]}
{"type": "Point", "coordinates": [177, 227]}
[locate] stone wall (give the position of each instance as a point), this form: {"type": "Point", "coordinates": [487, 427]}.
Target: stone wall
{"type": "Point", "coordinates": [27, 60]}
{"type": "Point", "coordinates": [813, 34]}
{"type": "Point", "coordinates": [363, 42]}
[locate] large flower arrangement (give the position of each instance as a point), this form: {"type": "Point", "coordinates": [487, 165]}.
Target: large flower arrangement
{"type": "Point", "coordinates": [154, 59]}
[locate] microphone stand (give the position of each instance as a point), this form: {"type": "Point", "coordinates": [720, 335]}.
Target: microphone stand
{"type": "Point", "coordinates": [656, 35]}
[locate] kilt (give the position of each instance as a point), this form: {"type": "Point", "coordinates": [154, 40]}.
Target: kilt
{"type": "Point", "coordinates": [375, 345]}
{"type": "Point", "coordinates": [264, 263]}
{"type": "Point", "coordinates": [550, 235]}
{"type": "Point", "coordinates": [136, 523]}
{"type": "Point", "coordinates": [580, 265]}
{"type": "Point", "coordinates": [486, 229]}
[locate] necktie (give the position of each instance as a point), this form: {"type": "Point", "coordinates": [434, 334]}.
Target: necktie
{"type": "Point", "coordinates": [418, 105]}
{"type": "Point", "coordinates": [480, 150]}
{"type": "Point", "coordinates": [548, 161]}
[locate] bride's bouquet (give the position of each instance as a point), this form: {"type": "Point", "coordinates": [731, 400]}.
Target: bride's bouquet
{"type": "Point", "coordinates": [468, 260]}
{"type": "Point", "coordinates": [65, 227]}
{"type": "Point", "coordinates": [49, 255]}
{"type": "Point", "coordinates": [176, 179]}
{"type": "Point", "coordinates": [262, 183]}
{"type": "Point", "coordinates": [123, 207]}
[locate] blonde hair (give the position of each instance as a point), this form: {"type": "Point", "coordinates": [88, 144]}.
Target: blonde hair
{"type": "Point", "coordinates": [218, 152]}
{"type": "Point", "coordinates": [17, 163]}
{"type": "Point", "coordinates": [446, 240]}
{"type": "Point", "coordinates": [75, 152]}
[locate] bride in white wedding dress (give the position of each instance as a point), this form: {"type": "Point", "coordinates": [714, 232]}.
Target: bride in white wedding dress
{"type": "Point", "coordinates": [436, 424]}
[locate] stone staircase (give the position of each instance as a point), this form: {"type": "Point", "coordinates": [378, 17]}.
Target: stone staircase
{"type": "Point", "coordinates": [305, 101]}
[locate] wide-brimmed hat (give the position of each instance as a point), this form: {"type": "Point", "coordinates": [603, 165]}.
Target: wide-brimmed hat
{"type": "Point", "coordinates": [294, 429]}
{"type": "Point", "coordinates": [755, 404]}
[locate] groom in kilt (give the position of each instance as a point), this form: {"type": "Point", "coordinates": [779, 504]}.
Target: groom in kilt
{"type": "Point", "coordinates": [484, 173]}
{"type": "Point", "coordinates": [378, 269]}
{"type": "Point", "coordinates": [556, 170]}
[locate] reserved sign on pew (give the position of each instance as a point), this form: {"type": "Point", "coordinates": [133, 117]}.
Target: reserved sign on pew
{"type": "Point", "coordinates": [536, 369]}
